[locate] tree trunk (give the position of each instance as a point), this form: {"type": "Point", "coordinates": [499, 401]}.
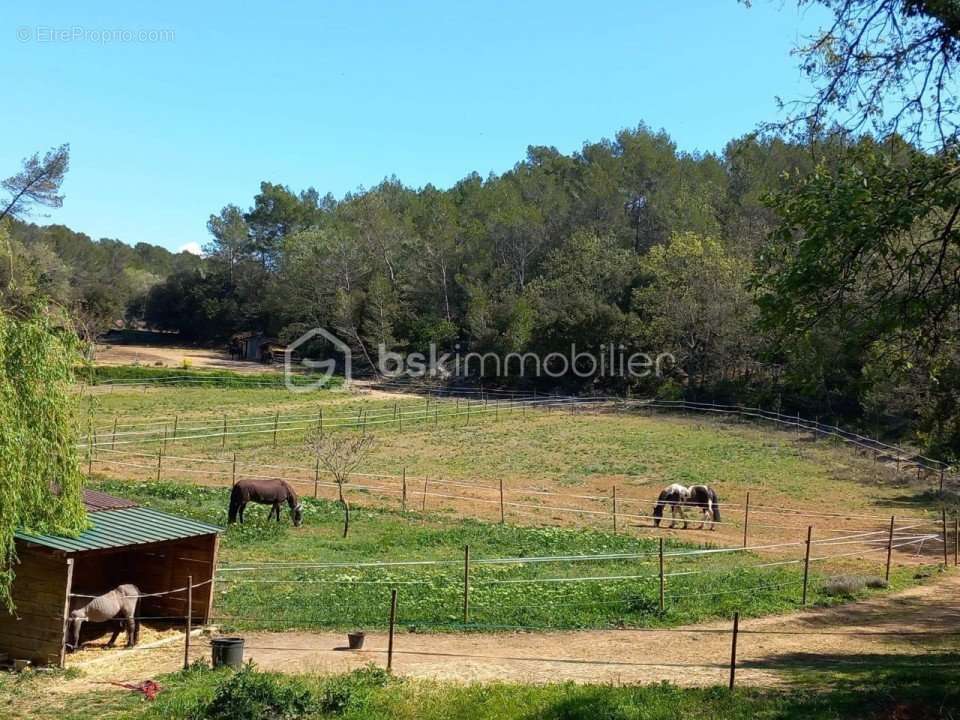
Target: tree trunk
{"type": "Point", "coordinates": [346, 509]}
{"type": "Point", "coordinates": [446, 294]}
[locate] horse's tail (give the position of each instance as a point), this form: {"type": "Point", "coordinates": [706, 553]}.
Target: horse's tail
{"type": "Point", "coordinates": [715, 501]}
{"type": "Point", "coordinates": [236, 500]}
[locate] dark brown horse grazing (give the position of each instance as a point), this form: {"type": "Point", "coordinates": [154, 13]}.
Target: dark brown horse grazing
{"type": "Point", "coordinates": [265, 492]}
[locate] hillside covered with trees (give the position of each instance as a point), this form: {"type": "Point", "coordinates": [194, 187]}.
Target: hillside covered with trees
{"type": "Point", "coordinates": [812, 266]}
{"type": "Point", "coordinates": [102, 282]}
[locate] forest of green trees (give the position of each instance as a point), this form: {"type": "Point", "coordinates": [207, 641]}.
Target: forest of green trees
{"type": "Point", "coordinates": [104, 283]}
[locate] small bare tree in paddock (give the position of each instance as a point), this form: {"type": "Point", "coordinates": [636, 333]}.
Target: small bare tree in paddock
{"type": "Point", "coordinates": [340, 455]}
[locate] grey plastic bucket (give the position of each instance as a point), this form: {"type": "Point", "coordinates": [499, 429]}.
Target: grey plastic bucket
{"type": "Point", "coordinates": [227, 651]}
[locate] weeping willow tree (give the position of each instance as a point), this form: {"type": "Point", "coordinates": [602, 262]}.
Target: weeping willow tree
{"type": "Point", "coordinates": [41, 479]}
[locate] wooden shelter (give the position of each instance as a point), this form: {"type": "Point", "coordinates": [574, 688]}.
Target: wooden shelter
{"type": "Point", "coordinates": [126, 543]}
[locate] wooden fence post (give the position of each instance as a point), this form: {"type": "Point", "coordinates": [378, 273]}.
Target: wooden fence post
{"type": "Point", "coordinates": [176, 423]}
{"type": "Point", "coordinates": [164, 444]}
{"type": "Point", "coordinates": [941, 481]}
{"type": "Point", "coordinates": [321, 423]}
{"type": "Point", "coordinates": [614, 509]}
{"type": "Point", "coordinates": [223, 436]}
{"type": "Point", "coordinates": [113, 441]}
{"type": "Point", "coordinates": [276, 422]}
{"type": "Point", "coordinates": [502, 514]}
{"type": "Point", "coordinates": [466, 584]}
{"type": "Point", "coordinates": [316, 479]}
{"type": "Point", "coordinates": [423, 504]}
{"type": "Point", "coordinates": [159, 462]}
{"type": "Point", "coordinates": [393, 622]}
{"type": "Point", "coordinates": [746, 518]}
{"type": "Point", "coordinates": [943, 519]}
{"type": "Point", "coordinates": [661, 574]}
{"type": "Point", "coordinates": [186, 638]}
{"type": "Point", "coordinates": [956, 541]}
{"type": "Point", "coordinates": [886, 575]}
{"type": "Point", "coordinates": [733, 648]}
{"type": "Point", "coordinates": [403, 491]}
{"type": "Point", "coordinates": [806, 563]}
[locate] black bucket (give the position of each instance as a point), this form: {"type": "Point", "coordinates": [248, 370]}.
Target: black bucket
{"type": "Point", "coordinates": [227, 651]}
{"type": "Point", "coordinates": [355, 640]}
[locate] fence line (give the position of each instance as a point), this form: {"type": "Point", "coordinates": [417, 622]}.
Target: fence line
{"type": "Point", "coordinates": [480, 487]}
{"type": "Point", "coordinates": [105, 437]}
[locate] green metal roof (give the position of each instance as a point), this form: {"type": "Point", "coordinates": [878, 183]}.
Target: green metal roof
{"type": "Point", "coordinates": [123, 527]}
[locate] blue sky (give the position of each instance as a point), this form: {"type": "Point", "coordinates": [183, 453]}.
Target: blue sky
{"type": "Point", "coordinates": [339, 94]}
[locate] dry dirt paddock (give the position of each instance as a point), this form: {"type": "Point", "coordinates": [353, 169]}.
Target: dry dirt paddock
{"type": "Point", "coordinates": [174, 356]}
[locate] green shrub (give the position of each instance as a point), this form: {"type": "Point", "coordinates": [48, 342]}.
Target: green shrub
{"type": "Point", "coordinates": [352, 691]}
{"type": "Point", "coordinates": [252, 695]}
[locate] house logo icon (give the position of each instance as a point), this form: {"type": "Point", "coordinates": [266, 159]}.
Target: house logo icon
{"type": "Point", "coordinates": [319, 371]}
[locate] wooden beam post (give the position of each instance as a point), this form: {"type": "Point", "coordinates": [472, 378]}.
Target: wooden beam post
{"type": "Point", "coordinates": [159, 462]}
{"type": "Point", "coordinates": [661, 574]}
{"type": "Point", "coordinates": [113, 440]}
{"type": "Point", "coordinates": [223, 435]}
{"type": "Point", "coordinates": [502, 514]}
{"type": "Point", "coordinates": [746, 518]}
{"type": "Point", "coordinates": [943, 519]}
{"type": "Point", "coordinates": [466, 584]}
{"type": "Point", "coordinates": [886, 574]}
{"type": "Point", "coordinates": [733, 648]}
{"type": "Point", "coordinates": [186, 637]}
{"type": "Point", "coordinates": [276, 422]}
{"type": "Point", "coordinates": [614, 509]}
{"type": "Point", "coordinates": [423, 504]}
{"type": "Point", "coordinates": [393, 622]}
{"type": "Point", "coordinates": [806, 563]}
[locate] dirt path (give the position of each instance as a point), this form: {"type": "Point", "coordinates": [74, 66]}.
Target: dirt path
{"type": "Point", "coordinates": [697, 656]}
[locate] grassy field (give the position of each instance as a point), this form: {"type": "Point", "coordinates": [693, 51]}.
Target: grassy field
{"type": "Point", "coordinates": [503, 595]}
{"type": "Point", "coordinates": [869, 692]}
{"type": "Point", "coordinates": [557, 447]}
{"type": "Point", "coordinates": [532, 451]}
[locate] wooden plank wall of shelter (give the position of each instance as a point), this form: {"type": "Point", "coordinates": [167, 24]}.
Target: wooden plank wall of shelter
{"type": "Point", "coordinates": [35, 630]}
